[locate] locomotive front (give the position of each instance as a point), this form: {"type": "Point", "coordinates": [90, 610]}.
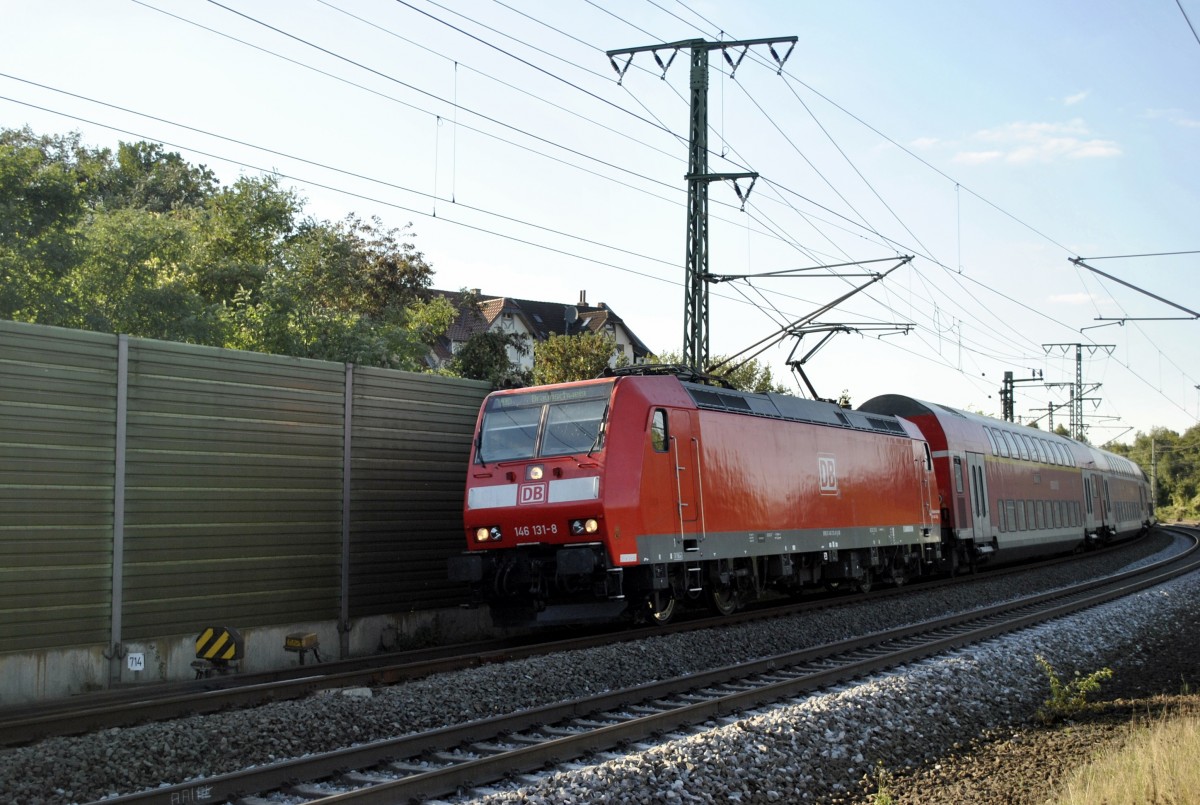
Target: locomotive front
{"type": "Point", "coordinates": [534, 513]}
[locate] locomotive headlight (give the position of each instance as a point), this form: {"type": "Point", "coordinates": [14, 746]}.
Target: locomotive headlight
{"type": "Point", "coordinates": [488, 534]}
{"type": "Point", "coordinates": [588, 526]}
{"type": "Point", "coordinates": [535, 473]}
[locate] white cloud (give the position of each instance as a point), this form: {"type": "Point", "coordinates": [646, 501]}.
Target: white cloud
{"type": "Point", "coordinates": [1176, 116]}
{"type": "Point", "coordinates": [1073, 298]}
{"type": "Point", "coordinates": [925, 143]}
{"type": "Point", "coordinates": [1026, 143]}
{"type": "Point", "coordinates": [977, 157]}
{"type": "Point", "coordinates": [1078, 97]}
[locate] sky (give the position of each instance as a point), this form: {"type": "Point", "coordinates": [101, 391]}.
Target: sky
{"type": "Point", "coordinates": [991, 142]}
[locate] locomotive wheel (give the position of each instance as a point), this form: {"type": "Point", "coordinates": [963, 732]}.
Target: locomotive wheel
{"type": "Point", "coordinates": [722, 600]}
{"type": "Point", "coordinates": [661, 608]}
{"type": "Point", "coordinates": [863, 585]}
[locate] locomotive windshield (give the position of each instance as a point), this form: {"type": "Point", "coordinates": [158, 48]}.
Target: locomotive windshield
{"type": "Point", "coordinates": [543, 422]}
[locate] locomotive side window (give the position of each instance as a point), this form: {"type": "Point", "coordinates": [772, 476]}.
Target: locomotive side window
{"type": "Point", "coordinates": [958, 479]}
{"type": "Point", "coordinates": [992, 439]}
{"type": "Point", "coordinates": [658, 431]}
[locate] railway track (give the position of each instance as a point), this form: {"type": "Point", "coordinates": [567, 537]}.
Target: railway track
{"type": "Point", "coordinates": [129, 706]}
{"type": "Point", "coordinates": [443, 761]}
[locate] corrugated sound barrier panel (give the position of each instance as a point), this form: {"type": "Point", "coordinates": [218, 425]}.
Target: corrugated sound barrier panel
{"type": "Point", "coordinates": [412, 438]}
{"type": "Point", "coordinates": [233, 488]}
{"type": "Point", "coordinates": [57, 434]}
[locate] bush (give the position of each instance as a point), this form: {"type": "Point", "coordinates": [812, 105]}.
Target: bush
{"type": "Point", "coordinates": [1070, 698]}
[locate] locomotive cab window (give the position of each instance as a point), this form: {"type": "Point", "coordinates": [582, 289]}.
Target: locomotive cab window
{"type": "Point", "coordinates": [658, 431]}
{"type": "Point", "coordinates": [540, 423]}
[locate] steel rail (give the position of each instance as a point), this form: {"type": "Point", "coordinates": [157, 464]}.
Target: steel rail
{"type": "Point", "coordinates": [134, 705]}
{"type": "Point", "coordinates": [661, 706]}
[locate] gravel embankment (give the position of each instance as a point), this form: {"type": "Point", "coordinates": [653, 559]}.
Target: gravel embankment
{"type": "Point", "coordinates": [950, 730]}
{"type": "Point", "coordinates": [822, 746]}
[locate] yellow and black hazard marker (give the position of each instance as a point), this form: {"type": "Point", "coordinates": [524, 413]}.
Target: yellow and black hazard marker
{"type": "Point", "coordinates": [220, 644]}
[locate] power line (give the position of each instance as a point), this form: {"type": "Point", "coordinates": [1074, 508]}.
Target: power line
{"type": "Point", "coordinates": [1188, 20]}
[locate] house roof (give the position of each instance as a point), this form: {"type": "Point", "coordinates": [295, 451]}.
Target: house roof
{"type": "Point", "coordinates": [541, 318]}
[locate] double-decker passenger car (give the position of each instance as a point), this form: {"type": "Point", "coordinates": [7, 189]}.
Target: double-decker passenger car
{"type": "Point", "coordinates": [1012, 491]}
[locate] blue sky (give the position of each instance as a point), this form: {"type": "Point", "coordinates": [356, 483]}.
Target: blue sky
{"type": "Point", "coordinates": [993, 142]}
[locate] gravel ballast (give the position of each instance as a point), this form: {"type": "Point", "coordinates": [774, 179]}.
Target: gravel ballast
{"type": "Point", "coordinates": [820, 749]}
{"type": "Point", "coordinates": [822, 746]}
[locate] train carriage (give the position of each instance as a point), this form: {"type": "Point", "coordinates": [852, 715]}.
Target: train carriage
{"type": "Point", "coordinates": [1010, 491]}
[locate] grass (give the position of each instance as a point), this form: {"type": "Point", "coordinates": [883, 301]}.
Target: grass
{"type": "Point", "coordinates": [1156, 764]}
{"type": "Point", "coordinates": [883, 786]}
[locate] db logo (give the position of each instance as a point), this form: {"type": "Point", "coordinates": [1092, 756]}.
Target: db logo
{"type": "Point", "coordinates": [827, 470]}
{"type": "Point", "coordinates": [531, 493]}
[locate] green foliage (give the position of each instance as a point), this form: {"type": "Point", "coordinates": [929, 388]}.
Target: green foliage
{"type": "Point", "coordinates": [489, 356]}
{"type": "Point", "coordinates": [883, 785]}
{"type": "Point", "coordinates": [749, 376]}
{"type": "Point", "coordinates": [1175, 461]}
{"type": "Point", "coordinates": [145, 177]}
{"type": "Point", "coordinates": [562, 358]}
{"type": "Point", "coordinates": [143, 243]}
{"type": "Point", "coordinates": [1069, 698]}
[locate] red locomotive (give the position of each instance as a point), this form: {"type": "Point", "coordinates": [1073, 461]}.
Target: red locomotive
{"type": "Point", "coordinates": [635, 494]}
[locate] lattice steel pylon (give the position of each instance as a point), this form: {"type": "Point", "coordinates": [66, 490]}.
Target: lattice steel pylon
{"type": "Point", "coordinates": [1077, 392]}
{"type": "Point", "coordinates": [695, 293]}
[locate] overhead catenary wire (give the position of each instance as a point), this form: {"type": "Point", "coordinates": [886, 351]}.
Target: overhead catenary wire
{"type": "Point", "coordinates": [786, 229]}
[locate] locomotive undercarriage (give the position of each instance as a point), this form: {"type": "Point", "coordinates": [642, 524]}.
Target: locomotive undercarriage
{"type": "Point", "coordinates": [547, 584]}
{"type": "Point", "coordinates": [726, 585]}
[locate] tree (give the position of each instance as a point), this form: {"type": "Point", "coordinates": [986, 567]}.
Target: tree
{"type": "Point", "coordinates": [749, 376]}
{"type": "Point", "coordinates": [563, 358]}
{"type": "Point", "coordinates": [141, 242]}
{"type": "Point", "coordinates": [132, 278]}
{"type": "Point", "coordinates": [146, 177]}
{"type": "Point", "coordinates": [45, 186]}
{"type": "Point", "coordinates": [486, 356]}
{"type": "Point", "coordinates": [350, 291]}
{"type": "Point", "coordinates": [1174, 460]}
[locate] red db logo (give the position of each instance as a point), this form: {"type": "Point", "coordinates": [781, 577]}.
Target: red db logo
{"type": "Point", "coordinates": [531, 493]}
